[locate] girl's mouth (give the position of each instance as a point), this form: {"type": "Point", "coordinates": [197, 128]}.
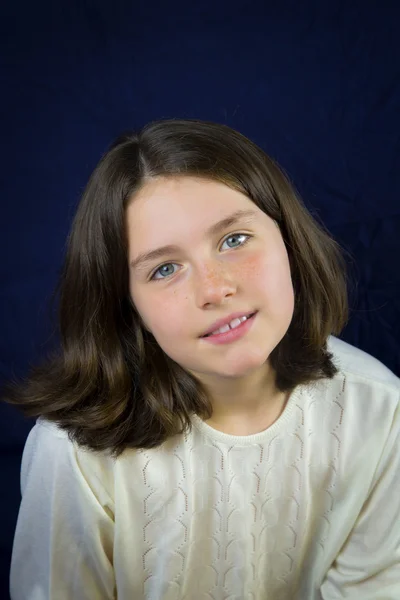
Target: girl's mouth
{"type": "Point", "coordinates": [232, 334]}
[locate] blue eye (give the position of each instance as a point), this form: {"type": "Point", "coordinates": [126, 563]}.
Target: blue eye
{"type": "Point", "coordinates": [236, 235]}
{"type": "Point", "coordinates": [232, 235]}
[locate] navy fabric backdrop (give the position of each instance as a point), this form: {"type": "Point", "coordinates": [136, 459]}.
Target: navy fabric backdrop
{"type": "Point", "coordinates": [316, 84]}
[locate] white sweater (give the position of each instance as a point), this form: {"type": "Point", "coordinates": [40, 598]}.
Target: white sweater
{"type": "Point", "coordinates": [309, 509]}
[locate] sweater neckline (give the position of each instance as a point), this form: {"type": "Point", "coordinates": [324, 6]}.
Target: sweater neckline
{"type": "Point", "coordinates": [255, 438]}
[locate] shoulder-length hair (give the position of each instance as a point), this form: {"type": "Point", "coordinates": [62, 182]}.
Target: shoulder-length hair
{"type": "Point", "coordinates": [109, 384]}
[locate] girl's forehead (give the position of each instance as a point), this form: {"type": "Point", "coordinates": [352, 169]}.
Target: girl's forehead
{"type": "Point", "coordinates": [160, 186]}
{"type": "Point", "coordinates": [189, 196]}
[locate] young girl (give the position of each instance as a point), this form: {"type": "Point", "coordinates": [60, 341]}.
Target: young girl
{"type": "Point", "coordinates": [202, 434]}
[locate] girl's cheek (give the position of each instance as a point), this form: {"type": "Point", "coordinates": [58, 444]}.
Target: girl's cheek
{"type": "Point", "coordinates": [253, 268]}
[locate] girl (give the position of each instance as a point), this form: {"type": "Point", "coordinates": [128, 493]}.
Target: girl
{"type": "Point", "coordinates": [202, 434]}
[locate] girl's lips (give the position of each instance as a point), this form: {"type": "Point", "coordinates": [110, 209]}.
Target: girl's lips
{"type": "Point", "coordinates": [232, 334]}
{"type": "Point", "coordinates": [225, 321]}
{"type": "Point", "coordinates": [248, 316]}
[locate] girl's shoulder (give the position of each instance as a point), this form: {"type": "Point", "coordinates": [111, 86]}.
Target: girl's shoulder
{"type": "Point", "coordinates": [357, 364]}
{"type": "Point", "coordinates": [365, 390]}
{"type": "Point", "coordinates": [53, 455]}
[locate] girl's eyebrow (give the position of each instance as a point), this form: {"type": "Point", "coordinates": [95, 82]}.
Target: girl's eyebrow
{"type": "Point", "coordinates": [143, 259]}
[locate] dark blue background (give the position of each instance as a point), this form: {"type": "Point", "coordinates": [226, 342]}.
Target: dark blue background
{"type": "Point", "coordinates": [316, 84]}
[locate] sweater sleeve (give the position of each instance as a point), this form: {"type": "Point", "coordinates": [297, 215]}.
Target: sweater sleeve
{"type": "Point", "coordinates": [368, 565]}
{"type": "Point", "coordinates": [63, 542]}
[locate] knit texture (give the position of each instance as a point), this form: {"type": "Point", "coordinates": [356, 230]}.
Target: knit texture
{"type": "Point", "coordinates": [307, 509]}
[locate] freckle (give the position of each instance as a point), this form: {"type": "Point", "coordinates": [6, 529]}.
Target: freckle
{"type": "Point", "coordinates": [251, 267]}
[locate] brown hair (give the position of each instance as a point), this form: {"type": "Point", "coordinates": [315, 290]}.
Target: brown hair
{"type": "Point", "coordinates": [111, 386]}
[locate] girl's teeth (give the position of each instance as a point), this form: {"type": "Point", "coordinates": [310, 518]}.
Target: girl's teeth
{"type": "Point", "coordinates": [232, 325]}
{"type": "Point", "coordinates": [222, 329]}
{"type": "Point", "coordinates": [236, 322]}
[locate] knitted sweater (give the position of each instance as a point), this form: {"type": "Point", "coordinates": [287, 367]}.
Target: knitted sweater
{"type": "Point", "coordinates": [308, 509]}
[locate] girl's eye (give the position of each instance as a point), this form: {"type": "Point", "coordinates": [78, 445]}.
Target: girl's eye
{"type": "Point", "coordinates": [162, 268]}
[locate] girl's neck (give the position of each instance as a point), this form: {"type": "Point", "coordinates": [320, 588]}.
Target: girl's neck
{"type": "Point", "coordinates": [248, 406]}
{"type": "Point", "coordinates": [250, 422]}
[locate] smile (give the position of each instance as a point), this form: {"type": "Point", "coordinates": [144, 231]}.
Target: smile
{"type": "Point", "coordinates": [232, 331]}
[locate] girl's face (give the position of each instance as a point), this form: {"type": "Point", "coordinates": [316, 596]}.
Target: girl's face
{"type": "Point", "coordinates": [206, 276]}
